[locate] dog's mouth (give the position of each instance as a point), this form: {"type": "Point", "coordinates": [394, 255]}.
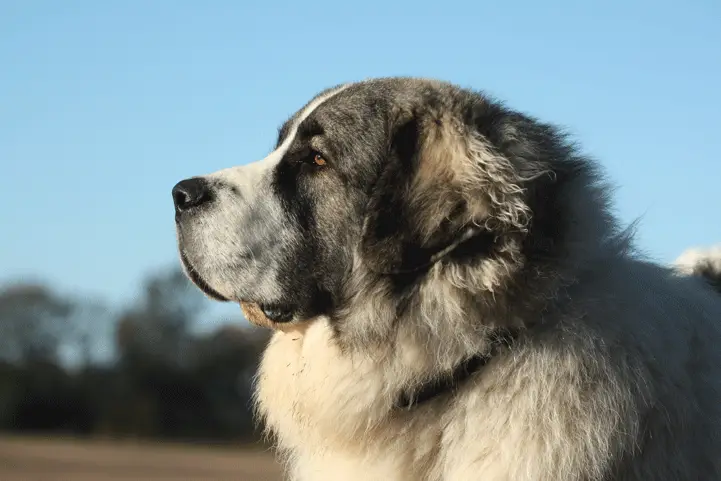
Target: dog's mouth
{"type": "Point", "coordinates": [277, 312]}
{"type": "Point", "coordinates": [271, 315]}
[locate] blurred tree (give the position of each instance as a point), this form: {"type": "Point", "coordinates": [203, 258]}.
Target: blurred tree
{"type": "Point", "coordinates": [155, 347]}
{"type": "Point", "coordinates": [159, 325]}
{"type": "Point", "coordinates": [32, 323]}
{"type": "Point", "coordinates": [89, 332]}
{"type": "Point", "coordinates": [227, 362]}
{"type": "Point", "coordinates": [167, 381]}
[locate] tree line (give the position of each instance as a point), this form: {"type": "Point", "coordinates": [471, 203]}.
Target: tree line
{"type": "Point", "coordinates": [163, 379]}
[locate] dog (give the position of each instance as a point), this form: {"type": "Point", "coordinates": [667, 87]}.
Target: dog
{"type": "Point", "coordinates": [453, 299]}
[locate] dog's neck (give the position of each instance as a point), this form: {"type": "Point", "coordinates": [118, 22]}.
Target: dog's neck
{"type": "Point", "coordinates": [449, 382]}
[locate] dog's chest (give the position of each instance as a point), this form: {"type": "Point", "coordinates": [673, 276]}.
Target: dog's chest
{"type": "Point", "coordinates": [330, 414]}
{"type": "Point", "coordinates": [309, 392]}
{"type": "Point", "coordinates": [321, 405]}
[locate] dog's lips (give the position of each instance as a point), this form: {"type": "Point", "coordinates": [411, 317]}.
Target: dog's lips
{"type": "Point", "coordinates": [196, 279]}
{"type": "Point", "coordinates": [256, 314]}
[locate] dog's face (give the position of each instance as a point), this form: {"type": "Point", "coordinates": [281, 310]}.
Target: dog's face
{"type": "Point", "coordinates": [387, 176]}
{"type": "Point", "coordinates": [279, 233]}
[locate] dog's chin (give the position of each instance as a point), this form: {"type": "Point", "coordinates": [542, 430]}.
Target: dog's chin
{"type": "Point", "coordinates": [264, 314]}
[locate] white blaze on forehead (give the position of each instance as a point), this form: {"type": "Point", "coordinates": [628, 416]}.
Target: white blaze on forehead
{"type": "Point", "coordinates": [248, 175]}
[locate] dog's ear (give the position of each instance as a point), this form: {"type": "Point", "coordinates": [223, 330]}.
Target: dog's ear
{"type": "Point", "coordinates": [392, 240]}
{"type": "Point", "coordinates": [441, 188]}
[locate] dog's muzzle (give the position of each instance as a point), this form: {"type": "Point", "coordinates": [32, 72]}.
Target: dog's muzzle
{"type": "Point", "coordinates": [229, 246]}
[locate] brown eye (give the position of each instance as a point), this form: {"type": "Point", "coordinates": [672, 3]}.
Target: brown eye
{"type": "Point", "coordinates": [318, 159]}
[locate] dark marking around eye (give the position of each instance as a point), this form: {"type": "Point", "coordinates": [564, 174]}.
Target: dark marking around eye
{"type": "Point", "coordinates": [305, 156]}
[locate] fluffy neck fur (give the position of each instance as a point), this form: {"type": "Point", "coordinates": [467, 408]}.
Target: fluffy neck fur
{"type": "Point", "coordinates": [450, 313]}
{"type": "Point", "coordinates": [447, 314]}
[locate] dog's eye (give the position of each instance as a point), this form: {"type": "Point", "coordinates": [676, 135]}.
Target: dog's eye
{"type": "Point", "coordinates": [318, 159]}
{"type": "Point", "coordinates": [312, 159]}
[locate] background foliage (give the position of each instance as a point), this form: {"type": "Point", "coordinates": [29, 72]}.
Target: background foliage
{"type": "Point", "coordinates": [164, 379]}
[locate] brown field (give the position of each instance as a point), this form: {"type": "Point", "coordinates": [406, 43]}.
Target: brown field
{"type": "Point", "coordinates": [30, 459]}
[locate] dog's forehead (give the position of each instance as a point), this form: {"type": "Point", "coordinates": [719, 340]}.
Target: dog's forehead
{"type": "Point", "coordinates": [379, 94]}
{"type": "Point", "coordinates": [337, 106]}
{"type": "Point", "coordinates": [357, 106]}
{"type": "Point", "coordinates": [347, 105]}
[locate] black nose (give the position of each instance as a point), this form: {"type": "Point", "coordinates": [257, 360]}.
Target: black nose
{"type": "Point", "coordinates": [190, 193]}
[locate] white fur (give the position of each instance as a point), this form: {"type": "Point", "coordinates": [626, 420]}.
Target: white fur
{"type": "Point", "coordinates": [692, 259]}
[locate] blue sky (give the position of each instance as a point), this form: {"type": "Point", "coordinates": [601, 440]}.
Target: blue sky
{"type": "Point", "coordinates": [105, 105]}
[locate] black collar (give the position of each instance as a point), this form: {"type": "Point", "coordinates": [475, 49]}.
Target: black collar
{"type": "Point", "coordinates": [450, 382]}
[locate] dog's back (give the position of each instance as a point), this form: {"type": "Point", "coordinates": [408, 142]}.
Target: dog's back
{"type": "Point", "coordinates": [675, 347]}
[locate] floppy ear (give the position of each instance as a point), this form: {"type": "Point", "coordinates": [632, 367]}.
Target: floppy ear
{"type": "Point", "coordinates": [441, 189]}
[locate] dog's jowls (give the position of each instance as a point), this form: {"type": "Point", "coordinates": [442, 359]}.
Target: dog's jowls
{"type": "Point", "coordinates": [398, 227]}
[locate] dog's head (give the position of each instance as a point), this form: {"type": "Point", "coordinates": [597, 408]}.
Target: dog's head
{"type": "Point", "coordinates": [383, 179]}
